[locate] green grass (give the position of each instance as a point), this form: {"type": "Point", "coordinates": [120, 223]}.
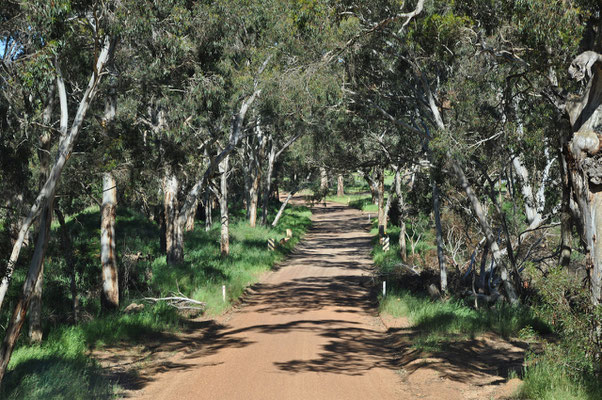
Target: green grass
{"type": "Point", "coordinates": [561, 371]}
{"type": "Point", "coordinates": [549, 376]}
{"type": "Point", "coordinates": [61, 368]}
{"type": "Point", "coordinates": [204, 270]}
{"type": "Point", "coordinates": [439, 322]}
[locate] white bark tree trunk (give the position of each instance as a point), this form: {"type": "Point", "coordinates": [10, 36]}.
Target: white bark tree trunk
{"type": "Point", "coordinates": [255, 173]}
{"type": "Point", "coordinates": [531, 209]}
{"type": "Point", "coordinates": [173, 229]}
{"type": "Point", "coordinates": [208, 212]}
{"type": "Point", "coordinates": [108, 257]}
{"type": "Point", "coordinates": [481, 216]}
{"type": "Point", "coordinates": [282, 207]}
{"type": "Point", "coordinates": [476, 206]}
{"type": "Point", "coordinates": [65, 148]}
{"type": "Point", "coordinates": [223, 207]}
{"type": "Point", "coordinates": [585, 171]}
{"type": "Point", "coordinates": [439, 236]}
{"type": "Point", "coordinates": [340, 186]}
{"type": "Point", "coordinates": [401, 211]}
{"type": "Point", "coordinates": [323, 181]}
{"type": "Point", "coordinates": [235, 135]}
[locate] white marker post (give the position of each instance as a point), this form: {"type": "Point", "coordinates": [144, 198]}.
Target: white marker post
{"type": "Point", "coordinates": [224, 293]}
{"type": "Point", "coordinates": [384, 288]}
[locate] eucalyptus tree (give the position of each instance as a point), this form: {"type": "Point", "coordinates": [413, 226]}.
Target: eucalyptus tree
{"type": "Point", "coordinates": [57, 29]}
{"type": "Point", "coordinates": [173, 86]}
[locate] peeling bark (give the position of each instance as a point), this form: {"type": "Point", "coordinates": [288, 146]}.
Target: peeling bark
{"type": "Point", "coordinates": [173, 230]}
{"type": "Point", "coordinates": [108, 257]}
{"type": "Point", "coordinates": [223, 207]}
{"type": "Point", "coordinates": [402, 222]}
{"type": "Point", "coordinates": [585, 115]}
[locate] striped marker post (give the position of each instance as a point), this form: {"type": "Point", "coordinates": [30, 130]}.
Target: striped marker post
{"type": "Point", "coordinates": [271, 245]}
{"type": "Point", "coordinates": [386, 243]}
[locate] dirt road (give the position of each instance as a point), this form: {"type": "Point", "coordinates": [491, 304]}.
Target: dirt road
{"type": "Point", "coordinates": [307, 331]}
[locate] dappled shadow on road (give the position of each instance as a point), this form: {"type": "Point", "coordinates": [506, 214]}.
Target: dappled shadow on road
{"type": "Point", "coordinates": [199, 339]}
{"type": "Point", "coordinates": [347, 343]}
{"type": "Point", "coordinates": [311, 294]}
{"type": "Point", "coordinates": [353, 351]}
{"type": "Point", "coordinates": [484, 360]}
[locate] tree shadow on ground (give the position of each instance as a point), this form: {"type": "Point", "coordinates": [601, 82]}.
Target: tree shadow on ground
{"type": "Point", "coordinates": [347, 347]}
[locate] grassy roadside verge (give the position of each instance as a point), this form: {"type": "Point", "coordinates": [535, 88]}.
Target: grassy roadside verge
{"type": "Point", "coordinates": [61, 366]}
{"type": "Point", "coordinates": [556, 371]}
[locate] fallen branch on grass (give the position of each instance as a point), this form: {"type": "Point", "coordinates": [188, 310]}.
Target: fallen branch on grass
{"type": "Point", "coordinates": [178, 302]}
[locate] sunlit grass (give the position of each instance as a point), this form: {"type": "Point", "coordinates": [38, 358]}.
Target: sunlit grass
{"type": "Point", "coordinates": [61, 367]}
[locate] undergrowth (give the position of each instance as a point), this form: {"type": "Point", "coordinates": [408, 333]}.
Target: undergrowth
{"type": "Point", "coordinates": [560, 370]}
{"type": "Point", "coordinates": [441, 322]}
{"type": "Point", "coordinates": [61, 368]}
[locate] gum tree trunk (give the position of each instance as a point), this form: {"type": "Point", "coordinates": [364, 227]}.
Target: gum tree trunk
{"type": "Point", "coordinates": [476, 206]}
{"type": "Point", "coordinates": [402, 222]}
{"type": "Point", "coordinates": [380, 182]}
{"type": "Point", "coordinates": [439, 231]}
{"type": "Point", "coordinates": [173, 230]}
{"type": "Point", "coordinates": [190, 218]}
{"type": "Point", "coordinates": [108, 257]}
{"type": "Point", "coordinates": [66, 144]}
{"type": "Point", "coordinates": [35, 315]}
{"type": "Point", "coordinates": [35, 270]}
{"type": "Point", "coordinates": [481, 216]}
{"type": "Point", "coordinates": [340, 186]}
{"type": "Point", "coordinates": [255, 173]}
{"type": "Point", "coordinates": [208, 211]}
{"type": "Point", "coordinates": [223, 207]}
{"type": "Point", "coordinates": [584, 169]}
{"type": "Point", "coordinates": [323, 181]}
{"type": "Point", "coordinates": [235, 136]}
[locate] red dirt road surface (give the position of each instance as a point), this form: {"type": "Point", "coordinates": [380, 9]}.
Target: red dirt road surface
{"type": "Point", "coordinates": [309, 330]}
